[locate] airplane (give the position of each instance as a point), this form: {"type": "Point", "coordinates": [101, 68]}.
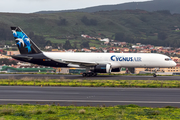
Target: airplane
{"type": "Point", "coordinates": [93, 62]}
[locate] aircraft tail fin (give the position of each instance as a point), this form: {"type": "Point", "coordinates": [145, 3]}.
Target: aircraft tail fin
{"type": "Point", "coordinates": [24, 43]}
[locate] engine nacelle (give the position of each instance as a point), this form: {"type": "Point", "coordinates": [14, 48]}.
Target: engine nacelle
{"type": "Point", "coordinates": [102, 68]}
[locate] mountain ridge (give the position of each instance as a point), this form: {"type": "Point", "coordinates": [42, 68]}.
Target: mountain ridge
{"type": "Point", "coordinates": [154, 5]}
{"type": "Point", "coordinates": [159, 28]}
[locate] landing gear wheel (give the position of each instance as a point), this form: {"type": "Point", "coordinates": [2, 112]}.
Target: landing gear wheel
{"type": "Point", "coordinates": [154, 75]}
{"type": "Point", "coordinates": [84, 74]}
{"type": "Point", "coordinates": [94, 74]}
{"type": "Point", "coordinates": [88, 74]}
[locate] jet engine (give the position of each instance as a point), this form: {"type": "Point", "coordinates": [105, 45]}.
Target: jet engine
{"type": "Point", "coordinates": [102, 68]}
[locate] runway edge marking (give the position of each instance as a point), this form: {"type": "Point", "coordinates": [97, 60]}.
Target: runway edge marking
{"type": "Point", "coordinates": [92, 101]}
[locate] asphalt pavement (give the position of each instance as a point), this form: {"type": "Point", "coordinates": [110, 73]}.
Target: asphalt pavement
{"type": "Point", "coordinates": [84, 96]}
{"type": "Point", "coordinates": [99, 77]}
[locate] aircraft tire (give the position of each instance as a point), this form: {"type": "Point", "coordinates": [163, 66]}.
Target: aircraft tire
{"type": "Point", "coordinates": [89, 74]}
{"type": "Point", "coordinates": [154, 75]}
{"type": "Point", "coordinates": [94, 74]}
{"type": "Point", "coordinates": [84, 74]}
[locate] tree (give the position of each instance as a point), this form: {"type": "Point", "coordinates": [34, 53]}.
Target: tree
{"type": "Point", "coordinates": [93, 22]}
{"type": "Point", "coordinates": [31, 34]}
{"type": "Point", "coordinates": [48, 43]}
{"type": "Point", "coordinates": [87, 21]}
{"type": "Point", "coordinates": [67, 45]}
{"type": "Point", "coordinates": [120, 36]}
{"type": "Point", "coordinates": [5, 34]}
{"type": "Point", "coordinates": [162, 35]}
{"type": "Point", "coordinates": [166, 12]}
{"type": "Point", "coordinates": [85, 44]}
{"type": "Point", "coordinates": [63, 22]}
{"type": "Point", "coordinates": [40, 40]}
{"type": "Point", "coordinates": [75, 45]}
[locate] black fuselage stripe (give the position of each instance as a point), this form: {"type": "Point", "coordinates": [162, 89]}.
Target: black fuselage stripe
{"type": "Point", "coordinates": [39, 59]}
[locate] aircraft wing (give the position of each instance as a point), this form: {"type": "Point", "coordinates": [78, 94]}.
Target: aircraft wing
{"type": "Point", "coordinates": [81, 63]}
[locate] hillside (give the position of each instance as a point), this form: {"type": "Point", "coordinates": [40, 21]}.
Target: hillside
{"type": "Point", "coordinates": [157, 28]}
{"type": "Point", "coordinates": [154, 5]}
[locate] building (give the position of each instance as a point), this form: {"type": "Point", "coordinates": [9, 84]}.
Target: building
{"type": "Point", "coordinates": [13, 53]}
{"type": "Point", "coordinates": [26, 69]}
{"type": "Point", "coordinates": [70, 70]}
{"type": "Point", "coordinates": [4, 57]}
{"type": "Point", "coordinates": [77, 70]}
{"type": "Point", "coordinates": [55, 50]}
{"type": "Point", "coordinates": [92, 48]}
{"type": "Point", "coordinates": [170, 71]}
{"type": "Point", "coordinates": [62, 70]}
{"type": "Point", "coordinates": [48, 47]}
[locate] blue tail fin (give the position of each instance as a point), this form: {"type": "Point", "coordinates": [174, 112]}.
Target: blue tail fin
{"type": "Point", "coordinates": [24, 43]}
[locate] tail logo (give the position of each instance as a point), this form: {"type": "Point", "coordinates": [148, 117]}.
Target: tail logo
{"type": "Point", "coordinates": [22, 39]}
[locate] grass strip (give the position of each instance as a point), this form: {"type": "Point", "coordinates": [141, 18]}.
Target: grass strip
{"type": "Point", "coordinates": [57, 112]}
{"type": "Point", "coordinates": [91, 83]}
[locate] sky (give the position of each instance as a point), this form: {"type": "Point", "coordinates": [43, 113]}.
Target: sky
{"type": "Point", "coordinates": [30, 6]}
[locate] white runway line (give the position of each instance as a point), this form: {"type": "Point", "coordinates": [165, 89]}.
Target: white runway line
{"type": "Point", "coordinates": [91, 101]}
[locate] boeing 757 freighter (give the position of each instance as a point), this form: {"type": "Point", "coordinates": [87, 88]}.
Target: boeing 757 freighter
{"type": "Point", "coordinates": [93, 62]}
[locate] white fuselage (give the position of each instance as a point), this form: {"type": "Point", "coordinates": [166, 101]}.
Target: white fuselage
{"type": "Point", "coordinates": [115, 59]}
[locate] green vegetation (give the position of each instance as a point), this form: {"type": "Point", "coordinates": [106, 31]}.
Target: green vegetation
{"type": "Point", "coordinates": [7, 68]}
{"type": "Point", "coordinates": [156, 28]}
{"type": "Point", "coordinates": [91, 83]}
{"type": "Point", "coordinates": [53, 112]}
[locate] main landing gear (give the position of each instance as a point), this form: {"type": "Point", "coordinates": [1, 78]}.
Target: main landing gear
{"type": "Point", "coordinates": [90, 74]}
{"type": "Point", "coordinates": [154, 75]}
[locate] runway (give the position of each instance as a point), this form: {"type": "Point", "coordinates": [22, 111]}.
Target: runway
{"type": "Point", "coordinates": [99, 77]}
{"type": "Point", "coordinates": [83, 96]}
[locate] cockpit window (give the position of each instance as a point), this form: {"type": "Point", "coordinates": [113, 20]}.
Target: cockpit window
{"type": "Point", "coordinates": [168, 59]}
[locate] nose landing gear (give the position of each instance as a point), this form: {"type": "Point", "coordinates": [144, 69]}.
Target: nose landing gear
{"type": "Point", "coordinates": [156, 69]}
{"type": "Point", "coordinates": [154, 75]}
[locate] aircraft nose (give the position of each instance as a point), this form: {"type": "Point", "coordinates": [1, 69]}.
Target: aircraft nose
{"type": "Point", "coordinates": [173, 63]}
